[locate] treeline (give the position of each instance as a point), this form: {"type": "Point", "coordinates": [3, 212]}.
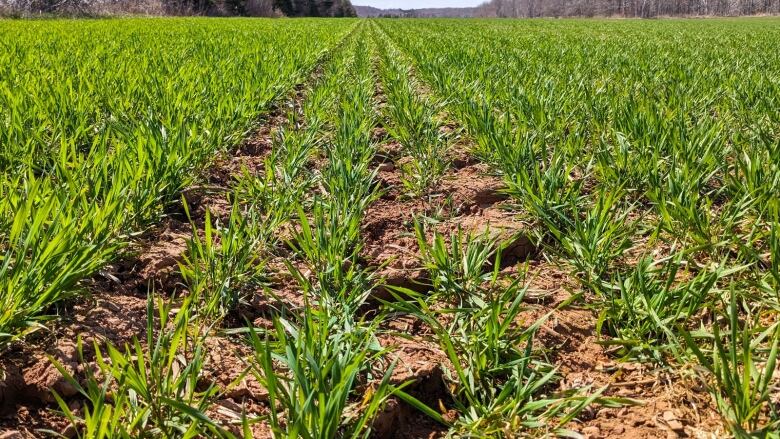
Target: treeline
{"type": "Point", "coordinates": [625, 8]}
{"type": "Point", "coordinates": [225, 8]}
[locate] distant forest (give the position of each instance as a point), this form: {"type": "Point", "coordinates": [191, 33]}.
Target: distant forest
{"type": "Point", "coordinates": [588, 8]}
{"type": "Point", "coordinates": [343, 8]}
{"type": "Point", "coordinates": [257, 8]}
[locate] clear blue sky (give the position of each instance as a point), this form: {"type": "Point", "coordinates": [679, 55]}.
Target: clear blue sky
{"type": "Point", "coordinates": [413, 4]}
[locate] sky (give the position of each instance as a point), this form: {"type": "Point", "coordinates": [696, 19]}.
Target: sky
{"type": "Point", "coordinates": [414, 4]}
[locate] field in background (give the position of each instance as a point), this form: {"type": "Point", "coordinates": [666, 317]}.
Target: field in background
{"type": "Point", "coordinates": [398, 228]}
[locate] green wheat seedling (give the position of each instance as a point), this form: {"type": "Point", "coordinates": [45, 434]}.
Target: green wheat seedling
{"type": "Point", "coordinates": [312, 369]}
{"type": "Point", "coordinates": [643, 308]}
{"type": "Point", "coordinates": [549, 194]}
{"type": "Point", "coordinates": [623, 163]}
{"type": "Point", "coordinates": [222, 267]}
{"type": "Point", "coordinates": [771, 283]}
{"type": "Point", "coordinates": [684, 211]}
{"type": "Point", "coordinates": [151, 391]}
{"type": "Point", "coordinates": [498, 140]}
{"type": "Point", "coordinates": [740, 367]}
{"type": "Point", "coordinates": [292, 151]}
{"type": "Point", "coordinates": [594, 243]}
{"type": "Point", "coordinates": [349, 185]}
{"type": "Point", "coordinates": [271, 196]}
{"type": "Point", "coordinates": [330, 245]}
{"type": "Point", "coordinates": [268, 200]}
{"type": "Point", "coordinates": [458, 268]}
{"type": "Point", "coordinates": [51, 243]}
{"type": "Point", "coordinates": [756, 173]}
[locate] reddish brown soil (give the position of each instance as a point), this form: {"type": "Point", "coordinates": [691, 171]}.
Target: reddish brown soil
{"type": "Point", "coordinates": [31, 376]}
{"type": "Point", "coordinates": [468, 199]}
